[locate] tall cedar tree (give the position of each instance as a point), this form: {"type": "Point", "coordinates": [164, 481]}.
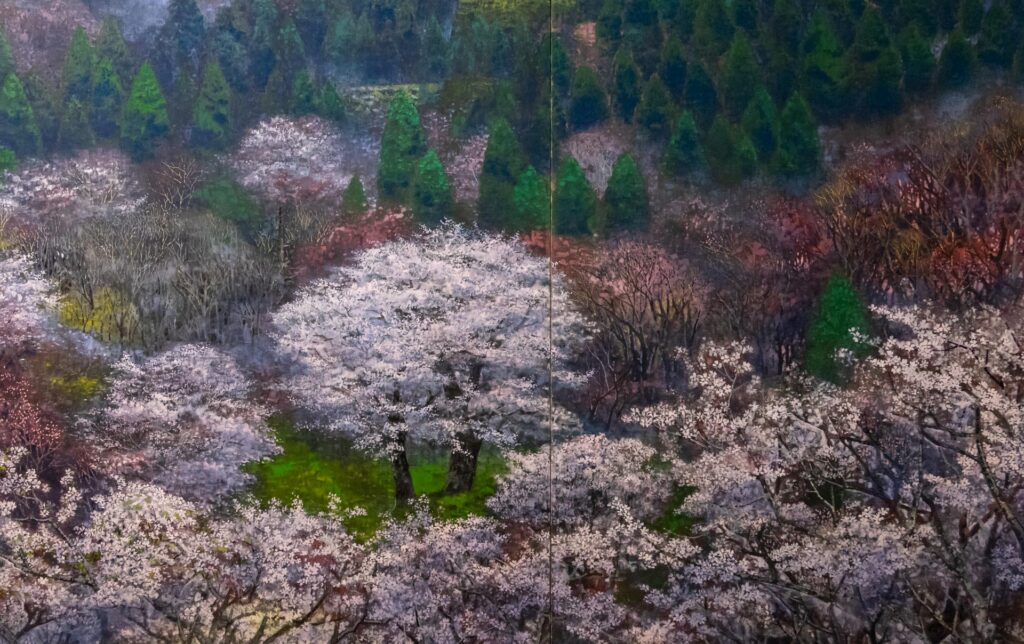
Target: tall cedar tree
{"type": "Point", "coordinates": [673, 68]}
{"type": "Point", "coordinates": [712, 28]}
{"type": "Point", "coordinates": [684, 153]}
{"type": "Point", "coordinates": [575, 201]}
{"type": "Point", "coordinates": [75, 130]}
{"type": "Point", "coordinates": [144, 120]}
{"type": "Point", "coordinates": [998, 35]}
{"type": "Point", "coordinates": [626, 204]}
{"type": "Point", "coordinates": [503, 162]}
{"type": "Point", "coordinates": [402, 144]}
{"type": "Point", "coordinates": [78, 66]}
{"type": "Point", "coordinates": [305, 97]}
{"type": "Point", "coordinates": [331, 105]}
{"type": "Point", "coordinates": [741, 75]}
{"type": "Point", "coordinates": [45, 104]}
{"type": "Point", "coordinates": [353, 200]}
{"type": "Point", "coordinates": [18, 129]}
{"type": "Point", "coordinates": [655, 110]}
{"type": "Point", "coordinates": [824, 73]}
{"type": "Point", "coordinates": [432, 194]}
{"type": "Point", "coordinates": [730, 155]}
{"type": "Point", "coordinates": [627, 84]}
{"type": "Point", "coordinates": [785, 26]}
{"type": "Point", "coordinates": [107, 99]}
{"type": "Point", "coordinates": [958, 60]}
{"type": "Point", "coordinates": [290, 61]}
{"type": "Point", "coordinates": [261, 44]}
{"type": "Point", "coordinates": [180, 41]}
{"type": "Point", "coordinates": [918, 60]}
{"type": "Point", "coordinates": [700, 95]}
{"type": "Point", "coordinates": [799, 152]}
{"type": "Point", "coordinates": [531, 201]}
{"type": "Point", "coordinates": [761, 123]}
{"type": "Point", "coordinates": [211, 118]}
{"type": "Point", "coordinates": [875, 66]}
{"type": "Point", "coordinates": [641, 32]}
{"type": "Point", "coordinates": [110, 44]}
{"type": "Point", "coordinates": [839, 312]}
{"type": "Point", "coordinates": [589, 105]}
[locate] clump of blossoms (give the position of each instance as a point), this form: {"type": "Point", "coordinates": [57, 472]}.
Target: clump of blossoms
{"type": "Point", "coordinates": [183, 419]}
{"type": "Point", "coordinates": [27, 301]}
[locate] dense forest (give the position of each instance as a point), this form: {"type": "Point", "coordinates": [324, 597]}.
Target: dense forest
{"type": "Point", "coordinates": [511, 320]}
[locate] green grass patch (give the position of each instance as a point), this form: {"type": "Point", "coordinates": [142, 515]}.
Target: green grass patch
{"type": "Point", "coordinates": [230, 201]}
{"type": "Point", "coordinates": [672, 521]}
{"type": "Point", "coordinates": [313, 466]}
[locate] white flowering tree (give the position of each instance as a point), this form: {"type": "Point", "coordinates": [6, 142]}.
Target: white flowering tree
{"type": "Point", "coordinates": [441, 338]}
{"type": "Point", "coordinates": [27, 301]}
{"type": "Point", "coordinates": [888, 510]}
{"type": "Point", "coordinates": [183, 419]}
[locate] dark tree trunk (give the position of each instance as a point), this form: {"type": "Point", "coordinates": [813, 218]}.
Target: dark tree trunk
{"type": "Point", "coordinates": [462, 464]}
{"type": "Point", "coordinates": [400, 468]}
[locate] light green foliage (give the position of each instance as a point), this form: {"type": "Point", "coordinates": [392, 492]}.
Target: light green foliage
{"type": "Point", "coordinates": [532, 202]}
{"type": "Point", "coordinates": [8, 163]}
{"type": "Point", "coordinates": [144, 120]}
{"type": "Point", "coordinates": [575, 201]}
{"type": "Point", "coordinates": [839, 312]}
{"type": "Point", "coordinates": [432, 193]}
{"type": "Point", "coordinates": [626, 204]}
{"type": "Point", "coordinates": [402, 145]}
{"type": "Point", "coordinates": [18, 129]}
{"type": "Point", "coordinates": [226, 199]}
{"type": "Point", "coordinates": [211, 118]}
{"type": "Point", "coordinates": [353, 200]}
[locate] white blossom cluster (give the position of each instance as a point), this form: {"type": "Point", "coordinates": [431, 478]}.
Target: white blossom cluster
{"type": "Point", "coordinates": [27, 300]}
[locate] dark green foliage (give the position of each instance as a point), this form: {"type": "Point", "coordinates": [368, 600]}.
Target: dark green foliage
{"type": "Point", "coordinates": [761, 124]}
{"type": "Point", "coordinates": [18, 129]}
{"type": "Point", "coordinates": [211, 118]}
{"type": "Point", "coordinates": [712, 28]}
{"type": "Point", "coordinates": [78, 66]}
{"type": "Point", "coordinates": [228, 200]}
{"type": "Point", "coordinates": [627, 84]}
{"type": "Point", "coordinates": [353, 200]}
{"type": "Point", "coordinates": [575, 201]}
{"type": "Point", "coordinates": [1017, 70]}
{"type": "Point", "coordinates": [144, 120]}
{"type": "Point", "coordinates": [673, 68]}
{"type": "Point", "coordinates": [745, 15]}
{"type": "Point", "coordinates": [785, 26]}
{"type": "Point", "coordinates": [180, 41]}
{"type": "Point", "coordinates": [558, 64]}
{"type": "Point", "coordinates": [655, 110]}
{"type": "Point", "coordinates": [920, 13]}
{"type": "Point", "coordinates": [684, 153]}
{"type": "Point", "coordinates": [107, 100]}
{"type": "Point", "coordinates": [6, 56]}
{"type": "Point", "coordinates": [261, 51]}
{"type": "Point", "coordinates": [626, 204]}
{"type": "Point", "coordinates": [402, 145]}
{"type": "Point", "coordinates": [875, 66]}
{"type": "Point", "coordinates": [233, 58]}
{"type": "Point", "coordinates": [532, 202]}
{"type": "Point", "coordinates": [730, 154]}
{"type": "Point", "coordinates": [970, 16]}
{"type": "Point", "coordinates": [44, 103]}
{"type": "Point", "coordinates": [998, 35]}
{"type": "Point", "coordinates": [290, 62]}
{"type": "Point", "coordinates": [311, 20]}
{"type": "Point", "coordinates": [75, 131]}
{"type": "Point", "coordinates": [435, 51]}
{"type": "Point", "coordinates": [958, 61]}
{"type": "Point", "coordinates": [783, 73]}
{"type": "Point", "coordinates": [110, 45]}
{"type": "Point", "coordinates": [799, 152]}
{"type": "Point", "coordinates": [305, 98]}
{"type": "Point", "coordinates": [609, 23]}
{"type": "Point", "coordinates": [918, 60]}
{"type": "Point", "coordinates": [504, 161]}
{"type": "Point", "coordinates": [589, 105]}
{"type": "Point", "coordinates": [839, 311]}
{"type": "Point", "coordinates": [700, 96]}
{"type": "Point", "coordinates": [331, 105]}
{"type": "Point", "coordinates": [8, 162]}
{"type": "Point", "coordinates": [824, 69]}
{"type": "Point", "coordinates": [741, 75]}
{"type": "Point", "coordinates": [641, 32]}
{"type": "Point", "coordinates": [432, 193]}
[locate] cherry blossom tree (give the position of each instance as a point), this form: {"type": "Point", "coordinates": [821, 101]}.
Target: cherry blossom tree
{"type": "Point", "coordinates": [441, 338]}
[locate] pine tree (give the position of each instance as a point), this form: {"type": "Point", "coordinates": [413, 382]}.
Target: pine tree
{"type": "Point", "coordinates": [840, 314]}
{"type": "Point", "coordinates": [305, 97]}
{"type": "Point", "coordinates": [211, 118]}
{"type": "Point", "coordinates": [44, 103]}
{"type": "Point", "coordinates": [18, 129]}
{"type": "Point", "coordinates": [684, 153]}
{"type": "Point", "coordinates": [290, 62]}
{"type": "Point", "coordinates": [655, 110]}
{"type": "Point", "coordinates": [958, 61]}
{"type": "Point", "coordinates": [740, 77]}
{"type": "Point", "coordinates": [180, 41]}
{"type": "Point", "coordinates": [435, 51]}
{"type": "Point", "coordinates": [432, 193]}
{"type": "Point", "coordinates": [402, 144]}
{"type": "Point", "coordinates": [6, 57]}
{"type": "Point", "coordinates": [785, 25]}
{"type": "Point", "coordinates": [673, 68]}
{"type": "Point", "coordinates": [144, 120]}
{"type": "Point", "coordinates": [875, 66]}
{"type": "Point", "coordinates": [627, 84]}
{"type": "Point", "coordinates": [575, 201]}
{"type": "Point", "coordinates": [761, 124]}
{"type": "Point", "coordinates": [609, 23]}
{"type": "Point", "coordinates": [78, 66]}
{"type": "Point", "coordinates": [730, 154]}
{"type": "Point", "coordinates": [230, 51]}
{"type": "Point", "coordinates": [107, 99]}
{"type": "Point", "coordinates": [712, 28]}
{"type": "Point", "coordinates": [331, 105]}
{"type": "Point", "coordinates": [589, 105]}
{"type": "Point", "coordinates": [918, 60]}
{"type": "Point", "coordinates": [700, 96]}
{"type": "Point", "coordinates": [970, 17]}
{"type": "Point", "coordinates": [626, 204]}
{"type": "Point", "coordinates": [353, 200]}
{"type": "Point", "coordinates": [261, 51]}
{"type": "Point", "coordinates": [799, 150]}
{"type": "Point", "coordinates": [503, 162]}
{"type": "Point", "coordinates": [998, 35]}
{"type": "Point", "coordinates": [75, 131]}
{"type": "Point", "coordinates": [8, 162]}
{"type": "Point", "coordinates": [531, 201]}
{"type": "Point", "coordinates": [824, 69]}
{"type": "Point", "coordinates": [642, 34]}
{"type": "Point", "coordinates": [110, 44]}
